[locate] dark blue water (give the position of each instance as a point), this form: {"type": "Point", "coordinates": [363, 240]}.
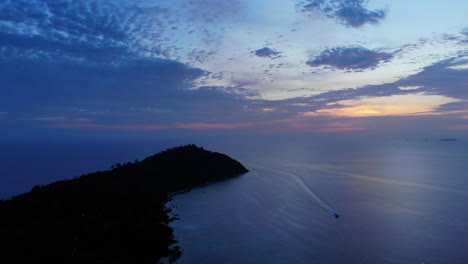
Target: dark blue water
{"type": "Point", "coordinates": [398, 201]}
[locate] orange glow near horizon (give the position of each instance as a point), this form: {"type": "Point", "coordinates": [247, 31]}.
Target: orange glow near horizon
{"type": "Point", "coordinates": [413, 104]}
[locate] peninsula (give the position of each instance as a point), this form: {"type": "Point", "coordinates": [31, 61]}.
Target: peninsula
{"type": "Point", "coordinates": [114, 216]}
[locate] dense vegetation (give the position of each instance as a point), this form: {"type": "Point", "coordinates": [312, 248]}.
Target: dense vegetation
{"type": "Point", "coordinates": [114, 216]}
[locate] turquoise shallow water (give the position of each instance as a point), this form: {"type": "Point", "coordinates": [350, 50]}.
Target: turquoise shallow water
{"type": "Point", "coordinates": [399, 202]}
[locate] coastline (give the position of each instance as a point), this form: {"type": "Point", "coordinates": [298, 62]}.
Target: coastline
{"type": "Point", "coordinates": [113, 216]}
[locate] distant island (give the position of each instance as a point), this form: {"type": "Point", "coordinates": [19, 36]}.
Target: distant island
{"type": "Point", "coordinates": [441, 139]}
{"type": "Point", "coordinates": [114, 216]}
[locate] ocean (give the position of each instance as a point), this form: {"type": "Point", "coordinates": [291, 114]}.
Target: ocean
{"type": "Point", "coordinates": [398, 201]}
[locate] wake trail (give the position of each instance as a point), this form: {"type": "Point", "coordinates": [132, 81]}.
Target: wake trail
{"type": "Point", "coordinates": [306, 188]}
{"type": "Point", "coordinates": [380, 180]}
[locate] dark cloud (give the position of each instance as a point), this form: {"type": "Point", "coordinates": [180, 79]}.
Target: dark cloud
{"type": "Point", "coordinates": [267, 53]}
{"type": "Point", "coordinates": [34, 86]}
{"type": "Point", "coordinates": [327, 99]}
{"type": "Point", "coordinates": [42, 48]}
{"type": "Point", "coordinates": [453, 107]}
{"type": "Point", "coordinates": [149, 93]}
{"type": "Point", "coordinates": [139, 91]}
{"type": "Point", "coordinates": [442, 78]}
{"type": "Point", "coordinates": [94, 62]}
{"type": "Point", "coordinates": [351, 13]}
{"type": "Point", "coordinates": [350, 58]}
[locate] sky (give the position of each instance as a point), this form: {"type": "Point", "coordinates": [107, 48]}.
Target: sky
{"type": "Point", "coordinates": [134, 68]}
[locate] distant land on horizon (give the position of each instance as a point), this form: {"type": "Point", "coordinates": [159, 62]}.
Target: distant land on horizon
{"type": "Point", "coordinates": [114, 216]}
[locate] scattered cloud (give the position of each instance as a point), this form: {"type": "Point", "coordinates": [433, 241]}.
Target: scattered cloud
{"type": "Point", "coordinates": [351, 13]}
{"type": "Point", "coordinates": [90, 31]}
{"type": "Point", "coordinates": [212, 11]}
{"type": "Point", "coordinates": [267, 53]}
{"type": "Point", "coordinates": [350, 58]}
{"type": "Point", "coordinates": [128, 65]}
{"type": "Point", "coordinates": [200, 56]}
{"type": "Point", "coordinates": [59, 30]}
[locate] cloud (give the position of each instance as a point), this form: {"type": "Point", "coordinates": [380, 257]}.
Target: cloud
{"type": "Point", "coordinates": [459, 67]}
{"type": "Point", "coordinates": [351, 13]}
{"type": "Point", "coordinates": [106, 92]}
{"type": "Point", "coordinates": [444, 79]}
{"type": "Point", "coordinates": [82, 30]}
{"type": "Point", "coordinates": [105, 31]}
{"type": "Point", "coordinates": [200, 55]}
{"type": "Point", "coordinates": [448, 77]}
{"type": "Point", "coordinates": [188, 126]}
{"type": "Point", "coordinates": [437, 90]}
{"type": "Point", "coordinates": [455, 107]}
{"type": "Point", "coordinates": [405, 88]}
{"type": "Point", "coordinates": [44, 118]}
{"type": "Point", "coordinates": [267, 53]}
{"type": "Point", "coordinates": [111, 32]}
{"type": "Point", "coordinates": [350, 58]}
{"type": "Point", "coordinates": [465, 32]}
{"type": "Point", "coordinates": [213, 11]}
{"type": "Point", "coordinates": [118, 60]}
{"type": "Point", "coordinates": [42, 48]}
{"type": "Point", "coordinates": [137, 92]}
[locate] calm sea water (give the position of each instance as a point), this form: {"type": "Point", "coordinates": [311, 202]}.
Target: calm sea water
{"type": "Point", "coordinates": [399, 201]}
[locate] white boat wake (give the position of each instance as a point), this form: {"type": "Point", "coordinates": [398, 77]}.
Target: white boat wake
{"type": "Point", "coordinates": [307, 189]}
{"type": "Point", "coordinates": [329, 169]}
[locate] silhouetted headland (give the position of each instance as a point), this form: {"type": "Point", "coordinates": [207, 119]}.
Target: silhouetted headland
{"type": "Point", "coordinates": [114, 216]}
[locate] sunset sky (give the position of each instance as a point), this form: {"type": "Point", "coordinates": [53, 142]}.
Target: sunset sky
{"type": "Point", "coordinates": [130, 67]}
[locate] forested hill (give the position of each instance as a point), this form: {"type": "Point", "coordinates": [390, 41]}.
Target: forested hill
{"type": "Point", "coordinates": [114, 216]}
